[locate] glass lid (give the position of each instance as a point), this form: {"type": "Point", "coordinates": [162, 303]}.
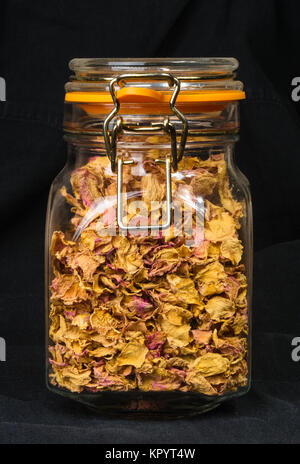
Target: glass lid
{"type": "Point", "coordinates": [182, 68]}
{"type": "Point", "coordinates": [194, 74]}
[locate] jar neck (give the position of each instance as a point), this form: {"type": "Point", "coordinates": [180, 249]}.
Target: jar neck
{"type": "Point", "coordinates": [82, 148]}
{"type": "Point", "coordinates": [210, 119]}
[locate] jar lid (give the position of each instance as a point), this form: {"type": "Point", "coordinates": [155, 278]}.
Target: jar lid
{"type": "Point", "coordinates": [99, 69]}
{"type": "Point", "coordinates": [202, 80]}
{"type": "Point", "coordinates": [181, 97]}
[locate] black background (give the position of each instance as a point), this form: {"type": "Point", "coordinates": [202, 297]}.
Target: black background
{"type": "Point", "coordinates": [37, 39]}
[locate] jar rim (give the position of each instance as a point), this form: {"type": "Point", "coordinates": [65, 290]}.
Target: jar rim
{"type": "Point", "coordinates": [199, 79]}
{"type": "Point", "coordinates": [185, 67]}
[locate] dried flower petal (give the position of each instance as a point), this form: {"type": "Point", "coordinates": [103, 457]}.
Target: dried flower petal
{"type": "Point", "coordinates": [133, 354]}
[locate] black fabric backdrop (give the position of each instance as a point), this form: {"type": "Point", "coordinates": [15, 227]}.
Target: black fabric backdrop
{"type": "Point", "coordinates": [37, 39]}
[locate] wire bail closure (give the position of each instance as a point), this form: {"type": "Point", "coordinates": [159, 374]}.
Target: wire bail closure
{"type": "Point", "coordinates": [119, 126]}
{"type": "Point", "coordinates": [166, 126]}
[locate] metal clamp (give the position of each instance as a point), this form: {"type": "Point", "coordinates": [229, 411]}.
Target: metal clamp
{"type": "Point", "coordinates": [166, 126]}
{"type": "Point", "coordinates": [110, 142]}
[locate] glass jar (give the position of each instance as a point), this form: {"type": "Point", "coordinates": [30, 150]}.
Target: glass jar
{"type": "Point", "coordinates": [149, 239]}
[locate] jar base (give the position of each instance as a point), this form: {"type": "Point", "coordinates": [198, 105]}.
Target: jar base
{"type": "Point", "coordinates": [134, 414]}
{"type": "Point", "coordinates": [148, 405]}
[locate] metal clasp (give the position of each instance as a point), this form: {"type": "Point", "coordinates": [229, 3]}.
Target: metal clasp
{"type": "Point", "coordinates": [166, 126]}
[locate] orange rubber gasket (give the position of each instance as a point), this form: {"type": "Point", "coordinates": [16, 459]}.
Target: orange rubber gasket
{"type": "Point", "coordinates": [140, 95]}
{"type": "Point", "coordinates": [136, 100]}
